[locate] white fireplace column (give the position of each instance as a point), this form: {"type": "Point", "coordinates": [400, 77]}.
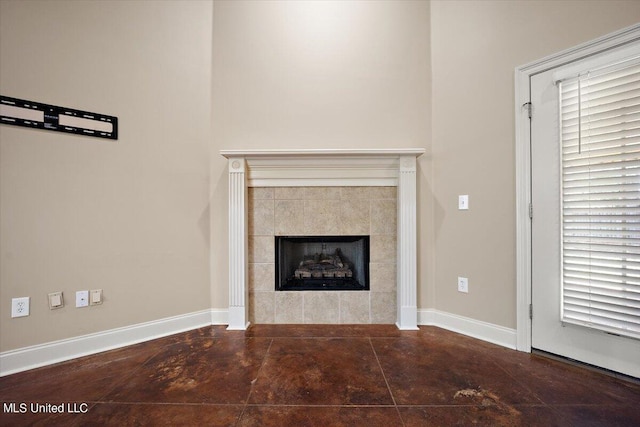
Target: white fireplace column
{"type": "Point", "coordinates": [323, 167]}
{"type": "Point", "coordinates": [407, 313]}
{"type": "Point", "coordinates": [238, 258]}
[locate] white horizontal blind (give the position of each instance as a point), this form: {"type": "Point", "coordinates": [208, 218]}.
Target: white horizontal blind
{"type": "Point", "coordinates": [600, 132]}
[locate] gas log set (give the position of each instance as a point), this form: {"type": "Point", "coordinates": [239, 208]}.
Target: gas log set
{"type": "Point", "coordinates": [322, 262]}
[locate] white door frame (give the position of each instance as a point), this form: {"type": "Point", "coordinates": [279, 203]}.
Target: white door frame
{"type": "Point", "coordinates": [523, 163]}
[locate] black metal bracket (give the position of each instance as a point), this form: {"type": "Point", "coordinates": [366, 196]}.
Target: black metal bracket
{"type": "Point", "coordinates": [20, 112]}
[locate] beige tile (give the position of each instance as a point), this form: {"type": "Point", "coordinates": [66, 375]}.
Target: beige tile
{"type": "Point", "coordinates": [258, 193]}
{"type": "Point", "coordinates": [262, 307]}
{"type": "Point", "coordinates": [289, 193]}
{"type": "Point", "coordinates": [289, 217]}
{"type": "Point", "coordinates": [289, 307]}
{"type": "Point", "coordinates": [355, 193]}
{"type": "Point", "coordinates": [321, 307]}
{"type": "Point", "coordinates": [383, 248]}
{"type": "Point", "coordinates": [261, 217]}
{"type": "Point", "coordinates": [354, 216]}
{"type": "Point", "coordinates": [382, 277]}
{"type": "Point", "coordinates": [261, 249]}
{"type": "Point", "coordinates": [383, 217]}
{"type": "Point", "coordinates": [354, 307]}
{"type": "Point", "coordinates": [262, 277]}
{"type": "Point", "coordinates": [322, 193]}
{"type": "Point", "coordinates": [321, 217]}
{"type": "Point", "coordinates": [384, 193]}
{"type": "Point", "coordinates": [383, 307]}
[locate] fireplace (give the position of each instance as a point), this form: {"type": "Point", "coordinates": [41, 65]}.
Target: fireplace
{"type": "Point", "coordinates": [282, 192]}
{"type": "Point", "coordinates": [327, 263]}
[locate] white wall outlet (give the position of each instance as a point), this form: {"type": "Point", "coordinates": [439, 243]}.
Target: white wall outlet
{"type": "Point", "coordinates": [463, 285]}
{"type": "Point", "coordinates": [95, 297]}
{"type": "Point", "coordinates": [463, 202]}
{"type": "Point", "coordinates": [20, 307]}
{"type": "Point", "coordinates": [55, 300]}
{"type": "Point", "coordinates": [82, 299]}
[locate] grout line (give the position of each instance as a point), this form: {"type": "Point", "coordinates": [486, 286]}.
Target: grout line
{"type": "Point", "coordinates": [131, 373]}
{"type": "Point", "coordinates": [393, 399]}
{"type": "Point", "coordinates": [516, 379]}
{"type": "Point", "coordinates": [253, 382]}
{"type": "Point", "coordinates": [319, 405]}
{"type": "Point", "coordinates": [382, 337]}
{"type": "Point", "coordinates": [118, 384]}
{"type": "Point", "coordinates": [109, 402]}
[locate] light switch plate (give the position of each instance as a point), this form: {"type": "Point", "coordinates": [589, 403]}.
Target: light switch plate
{"type": "Point", "coordinates": [95, 297]}
{"type": "Point", "coordinates": [82, 299]}
{"type": "Point", "coordinates": [463, 202]}
{"type": "Point", "coordinates": [55, 300]}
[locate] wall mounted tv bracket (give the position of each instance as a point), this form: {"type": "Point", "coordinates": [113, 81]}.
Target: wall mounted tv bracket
{"type": "Point", "coordinates": [20, 112]}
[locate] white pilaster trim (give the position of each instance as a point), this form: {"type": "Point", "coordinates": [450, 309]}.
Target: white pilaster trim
{"type": "Point", "coordinates": [238, 243]}
{"type": "Point", "coordinates": [35, 356]}
{"type": "Point", "coordinates": [505, 337]}
{"type": "Point", "coordinates": [406, 258]}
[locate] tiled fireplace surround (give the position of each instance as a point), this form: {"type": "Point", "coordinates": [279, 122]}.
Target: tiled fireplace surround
{"type": "Point", "coordinates": [295, 211]}
{"type": "Point", "coordinates": [322, 192]}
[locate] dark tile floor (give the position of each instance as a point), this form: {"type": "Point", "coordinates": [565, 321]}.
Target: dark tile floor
{"type": "Point", "coordinates": [288, 375]}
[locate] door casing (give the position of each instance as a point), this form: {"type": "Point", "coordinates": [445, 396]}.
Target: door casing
{"type": "Point", "coordinates": [523, 163]}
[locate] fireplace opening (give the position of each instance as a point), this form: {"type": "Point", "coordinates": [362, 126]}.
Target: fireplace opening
{"type": "Point", "coordinates": [339, 263]}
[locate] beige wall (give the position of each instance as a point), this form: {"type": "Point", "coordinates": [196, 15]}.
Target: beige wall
{"type": "Point", "coordinates": [186, 79]}
{"type": "Point", "coordinates": [291, 74]}
{"type": "Point", "coordinates": [128, 216]}
{"type": "Point", "coordinates": [475, 48]}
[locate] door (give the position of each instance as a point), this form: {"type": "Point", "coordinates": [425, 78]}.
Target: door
{"type": "Point", "coordinates": [603, 264]}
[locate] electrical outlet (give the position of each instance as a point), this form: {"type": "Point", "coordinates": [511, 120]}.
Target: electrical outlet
{"type": "Point", "coordinates": [20, 307]}
{"type": "Point", "coordinates": [82, 299]}
{"type": "Point", "coordinates": [463, 285]}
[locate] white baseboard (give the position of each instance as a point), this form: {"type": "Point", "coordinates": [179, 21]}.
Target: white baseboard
{"type": "Point", "coordinates": [26, 358]}
{"type": "Point", "coordinates": [219, 316]}
{"type": "Point", "coordinates": [495, 334]}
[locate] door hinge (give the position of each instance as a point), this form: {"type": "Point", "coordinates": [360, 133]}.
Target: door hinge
{"type": "Point", "coordinates": [530, 311]}
{"type": "Point", "coordinates": [529, 108]}
{"type": "Point", "coordinates": [530, 210]}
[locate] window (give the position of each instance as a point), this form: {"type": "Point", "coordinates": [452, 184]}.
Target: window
{"type": "Point", "coordinates": [600, 134]}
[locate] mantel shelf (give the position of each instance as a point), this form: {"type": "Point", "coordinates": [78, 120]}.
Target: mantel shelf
{"type": "Point", "coordinates": [330, 152]}
{"type": "Point", "coordinates": [323, 167]}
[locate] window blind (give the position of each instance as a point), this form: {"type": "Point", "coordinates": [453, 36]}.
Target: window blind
{"type": "Point", "coordinates": [600, 199]}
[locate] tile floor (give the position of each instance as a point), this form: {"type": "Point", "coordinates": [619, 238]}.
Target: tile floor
{"type": "Point", "coordinates": [320, 375]}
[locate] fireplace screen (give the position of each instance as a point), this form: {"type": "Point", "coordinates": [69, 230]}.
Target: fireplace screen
{"type": "Point", "coordinates": [338, 263]}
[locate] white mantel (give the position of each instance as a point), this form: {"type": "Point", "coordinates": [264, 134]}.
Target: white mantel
{"type": "Point", "coordinates": [323, 167]}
